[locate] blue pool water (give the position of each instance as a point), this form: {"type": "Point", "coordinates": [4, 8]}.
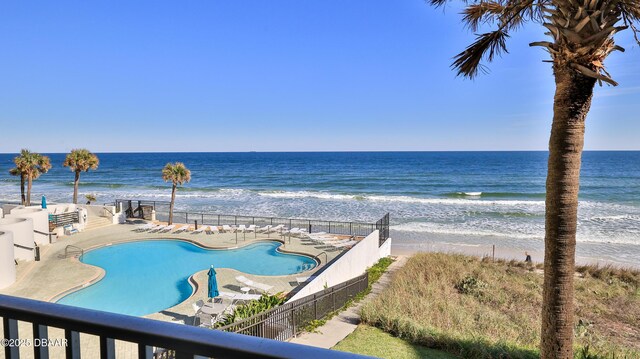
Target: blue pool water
{"type": "Point", "coordinates": [148, 276]}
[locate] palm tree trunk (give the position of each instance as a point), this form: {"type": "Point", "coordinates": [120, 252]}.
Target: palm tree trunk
{"type": "Point", "coordinates": [76, 181]}
{"type": "Point", "coordinates": [571, 105]}
{"type": "Point", "coordinates": [29, 183]}
{"type": "Point", "coordinates": [23, 199]}
{"type": "Point", "coordinates": [173, 199]}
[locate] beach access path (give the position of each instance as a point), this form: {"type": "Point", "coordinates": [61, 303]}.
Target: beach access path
{"type": "Point", "coordinates": [343, 324]}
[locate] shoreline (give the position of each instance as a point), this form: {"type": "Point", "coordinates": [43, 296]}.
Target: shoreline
{"type": "Point", "coordinates": [504, 250]}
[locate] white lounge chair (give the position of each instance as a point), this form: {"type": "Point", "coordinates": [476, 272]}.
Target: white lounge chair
{"type": "Point", "coordinates": [278, 228]}
{"type": "Point", "coordinates": [331, 243]}
{"type": "Point", "coordinates": [168, 228]}
{"type": "Point", "coordinates": [214, 230]}
{"type": "Point", "coordinates": [158, 228]}
{"type": "Point", "coordinates": [152, 228]}
{"type": "Point", "coordinates": [251, 228]}
{"type": "Point", "coordinates": [196, 309]}
{"type": "Point", "coordinates": [304, 235]}
{"type": "Point", "coordinates": [228, 228]}
{"type": "Point", "coordinates": [344, 244]}
{"type": "Point", "coordinates": [197, 305]}
{"type": "Point", "coordinates": [241, 228]}
{"type": "Point", "coordinates": [320, 234]}
{"type": "Point", "coordinates": [295, 231]}
{"type": "Point", "coordinates": [200, 230]}
{"type": "Point", "coordinates": [144, 227]}
{"type": "Point", "coordinates": [248, 282]}
{"type": "Point", "coordinates": [183, 229]}
{"type": "Point", "coordinates": [323, 239]}
{"type": "Point", "coordinates": [240, 296]}
{"type": "Point", "coordinates": [264, 229]}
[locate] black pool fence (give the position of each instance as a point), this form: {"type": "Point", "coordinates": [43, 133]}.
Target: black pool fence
{"type": "Point", "coordinates": [290, 319]}
{"type": "Point", "coordinates": [143, 209]}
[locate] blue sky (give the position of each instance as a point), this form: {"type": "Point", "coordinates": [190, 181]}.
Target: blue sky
{"type": "Point", "coordinates": [281, 75]}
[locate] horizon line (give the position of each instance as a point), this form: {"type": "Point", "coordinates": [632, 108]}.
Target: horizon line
{"type": "Point", "coordinates": [324, 151]}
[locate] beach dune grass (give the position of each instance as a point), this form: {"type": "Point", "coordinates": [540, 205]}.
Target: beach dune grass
{"type": "Point", "coordinates": [478, 308]}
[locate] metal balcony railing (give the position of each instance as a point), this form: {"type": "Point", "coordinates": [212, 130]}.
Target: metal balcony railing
{"type": "Point", "coordinates": [183, 340]}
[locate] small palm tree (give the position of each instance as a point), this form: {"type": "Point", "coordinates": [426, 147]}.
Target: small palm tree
{"type": "Point", "coordinates": [80, 160]}
{"type": "Point", "coordinates": [17, 172]}
{"type": "Point", "coordinates": [582, 36]}
{"type": "Point", "coordinates": [30, 165]}
{"type": "Point", "coordinates": [177, 174]}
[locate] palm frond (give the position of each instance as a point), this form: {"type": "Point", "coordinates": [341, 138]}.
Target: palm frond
{"type": "Point", "coordinates": [177, 173]}
{"type": "Point", "coordinates": [437, 3]}
{"type": "Point", "coordinates": [630, 10]}
{"type": "Point", "coordinates": [81, 160]}
{"type": "Point", "coordinates": [507, 14]}
{"type": "Point", "coordinates": [482, 12]}
{"type": "Point", "coordinates": [486, 46]}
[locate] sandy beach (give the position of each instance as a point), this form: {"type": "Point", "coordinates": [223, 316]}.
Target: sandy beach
{"type": "Point", "coordinates": [617, 254]}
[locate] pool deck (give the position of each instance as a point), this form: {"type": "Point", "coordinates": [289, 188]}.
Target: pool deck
{"type": "Point", "coordinates": [54, 275]}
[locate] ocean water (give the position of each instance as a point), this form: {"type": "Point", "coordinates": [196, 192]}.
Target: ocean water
{"type": "Point", "coordinates": [139, 281]}
{"type": "Point", "coordinates": [462, 197]}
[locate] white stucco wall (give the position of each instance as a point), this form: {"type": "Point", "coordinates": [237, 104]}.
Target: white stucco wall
{"type": "Point", "coordinates": [7, 265]}
{"type": "Point", "coordinates": [40, 219]}
{"type": "Point", "coordinates": [385, 248]}
{"type": "Point", "coordinates": [6, 208]}
{"type": "Point", "coordinates": [22, 230]}
{"type": "Point", "coordinates": [108, 212]}
{"type": "Point", "coordinates": [93, 210]}
{"type": "Point", "coordinates": [351, 264]}
{"type": "Point", "coordinates": [59, 208]}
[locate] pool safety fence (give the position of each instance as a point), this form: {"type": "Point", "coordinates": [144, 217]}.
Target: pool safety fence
{"type": "Point", "coordinates": [143, 209]}
{"type": "Point", "coordinates": [290, 319]}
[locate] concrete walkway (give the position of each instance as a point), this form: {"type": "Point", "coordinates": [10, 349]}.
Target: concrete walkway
{"type": "Point", "coordinates": [343, 324]}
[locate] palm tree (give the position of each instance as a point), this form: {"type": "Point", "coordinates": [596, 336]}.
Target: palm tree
{"type": "Point", "coordinates": [177, 174]}
{"type": "Point", "coordinates": [80, 160]}
{"type": "Point", "coordinates": [17, 172]}
{"type": "Point", "coordinates": [582, 36]}
{"type": "Point", "coordinates": [21, 170]}
{"type": "Point", "coordinates": [30, 165]}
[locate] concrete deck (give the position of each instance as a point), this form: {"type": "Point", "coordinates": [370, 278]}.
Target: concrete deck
{"type": "Point", "coordinates": [54, 275]}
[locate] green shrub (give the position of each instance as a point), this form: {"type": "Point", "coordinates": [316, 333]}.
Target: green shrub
{"type": "Point", "coordinates": [254, 307]}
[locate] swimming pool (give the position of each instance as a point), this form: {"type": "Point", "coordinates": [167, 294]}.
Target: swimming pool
{"type": "Point", "coordinates": [145, 277]}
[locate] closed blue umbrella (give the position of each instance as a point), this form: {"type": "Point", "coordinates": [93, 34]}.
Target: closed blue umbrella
{"type": "Point", "coordinates": [44, 202]}
{"type": "Point", "coordinates": [213, 283]}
